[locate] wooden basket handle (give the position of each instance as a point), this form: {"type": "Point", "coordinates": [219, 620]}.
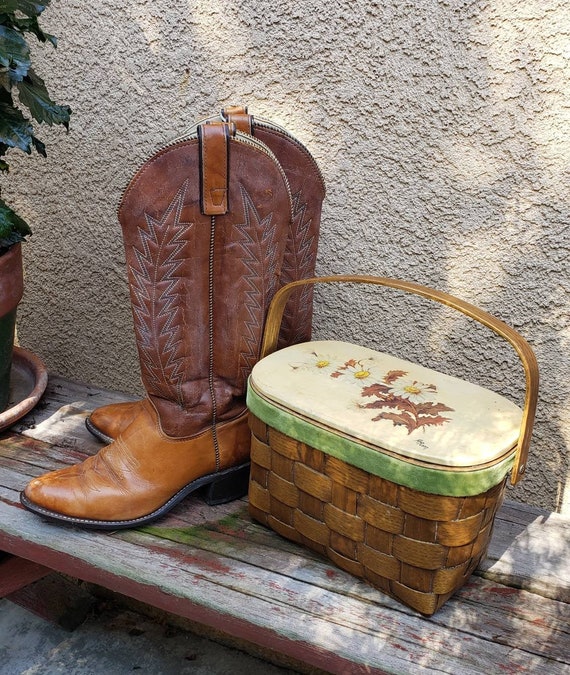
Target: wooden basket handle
{"type": "Point", "coordinates": [521, 346]}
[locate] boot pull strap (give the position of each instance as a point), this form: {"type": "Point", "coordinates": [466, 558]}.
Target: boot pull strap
{"type": "Point", "coordinates": [238, 115]}
{"type": "Point", "coordinates": [214, 139]}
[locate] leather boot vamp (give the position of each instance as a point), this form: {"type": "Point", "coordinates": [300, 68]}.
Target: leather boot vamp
{"type": "Point", "coordinates": [139, 472]}
{"type": "Point", "coordinates": [112, 419]}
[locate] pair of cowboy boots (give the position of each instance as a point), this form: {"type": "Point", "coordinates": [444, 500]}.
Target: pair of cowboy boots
{"type": "Point", "coordinates": [213, 225]}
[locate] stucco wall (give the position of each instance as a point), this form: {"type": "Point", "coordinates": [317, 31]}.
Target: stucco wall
{"type": "Point", "coordinates": [441, 128]}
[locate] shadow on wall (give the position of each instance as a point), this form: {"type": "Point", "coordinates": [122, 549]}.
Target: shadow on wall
{"type": "Point", "coordinates": [521, 250]}
{"type": "Point", "coordinates": [465, 195]}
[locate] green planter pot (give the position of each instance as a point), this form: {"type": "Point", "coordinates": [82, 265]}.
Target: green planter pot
{"type": "Point", "coordinates": [11, 289]}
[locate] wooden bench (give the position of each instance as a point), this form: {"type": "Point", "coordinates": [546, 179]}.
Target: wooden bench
{"type": "Point", "coordinates": [218, 568]}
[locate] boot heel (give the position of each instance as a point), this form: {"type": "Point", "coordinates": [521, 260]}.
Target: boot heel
{"type": "Point", "coordinates": [231, 484]}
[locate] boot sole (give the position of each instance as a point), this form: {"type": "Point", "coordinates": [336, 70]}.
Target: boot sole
{"type": "Point", "coordinates": [216, 488]}
{"type": "Point", "coordinates": [95, 431]}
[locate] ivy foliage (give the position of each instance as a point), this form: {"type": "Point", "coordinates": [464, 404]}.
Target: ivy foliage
{"type": "Point", "coordinates": [24, 98]}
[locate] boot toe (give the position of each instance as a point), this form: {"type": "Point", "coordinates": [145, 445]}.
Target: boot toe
{"type": "Point", "coordinates": [55, 492]}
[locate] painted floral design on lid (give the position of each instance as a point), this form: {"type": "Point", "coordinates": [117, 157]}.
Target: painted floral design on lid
{"type": "Point", "coordinates": [396, 395]}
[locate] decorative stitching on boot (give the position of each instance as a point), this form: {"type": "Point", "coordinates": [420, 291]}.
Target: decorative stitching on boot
{"type": "Point", "coordinates": [260, 261]}
{"type": "Point", "coordinates": [298, 263]}
{"type": "Point", "coordinates": [156, 290]}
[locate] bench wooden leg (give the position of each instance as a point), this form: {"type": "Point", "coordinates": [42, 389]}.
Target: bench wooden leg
{"type": "Point", "coordinates": [40, 590]}
{"type": "Point", "coordinates": [16, 573]}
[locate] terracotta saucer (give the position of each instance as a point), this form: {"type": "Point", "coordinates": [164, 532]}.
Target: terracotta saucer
{"type": "Point", "coordinates": [27, 384]}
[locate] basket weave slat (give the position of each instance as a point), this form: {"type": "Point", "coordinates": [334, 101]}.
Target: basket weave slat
{"type": "Point", "coordinates": [284, 530]}
{"type": "Point", "coordinates": [311, 528]}
{"type": "Point", "coordinates": [379, 539]}
{"type": "Point", "coordinates": [421, 554]}
{"type": "Point", "coordinates": [282, 512]}
{"type": "Point", "coordinates": [460, 532]}
{"type": "Point", "coordinates": [347, 564]}
{"type": "Point", "coordinates": [451, 577]}
{"type": "Point", "coordinates": [416, 578]}
{"type": "Point", "coordinates": [312, 506]}
{"type": "Point", "coordinates": [419, 548]}
{"type": "Point", "coordinates": [313, 483]}
{"type": "Point", "coordinates": [259, 430]}
{"type": "Point", "coordinates": [346, 474]}
{"type": "Point", "coordinates": [260, 476]}
{"type": "Point", "coordinates": [260, 451]}
{"type": "Point", "coordinates": [312, 458]}
{"type": "Point", "coordinates": [283, 467]}
{"type": "Point", "coordinates": [282, 444]}
{"type": "Point", "coordinates": [383, 490]}
{"type": "Point", "coordinates": [344, 523]}
{"type": "Point", "coordinates": [457, 555]}
{"type": "Point", "coordinates": [421, 529]}
{"type": "Point", "coordinates": [473, 506]}
{"type": "Point", "coordinates": [385, 565]}
{"type": "Point", "coordinates": [343, 545]}
{"type": "Point", "coordinates": [383, 516]}
{"type": "Point", "coordinates": [431, 507]}
{"type": "Point", "coordinates": [426, 603]}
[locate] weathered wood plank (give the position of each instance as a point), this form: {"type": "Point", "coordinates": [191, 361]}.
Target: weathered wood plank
{"type": "Point", "coordinates": [55, 599]}
{"type": "Point", "coordinates": [530, 549]}
{"type": "Point", "coordinates": [376, 636]}
{"type": "Point", "coordinates": [60, 416]}
{"type": "Point", "coordinates": [226, 539]}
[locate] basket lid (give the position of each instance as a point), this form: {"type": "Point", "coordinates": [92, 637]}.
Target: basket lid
{"type": "Point", "coordinates": [392, 404]}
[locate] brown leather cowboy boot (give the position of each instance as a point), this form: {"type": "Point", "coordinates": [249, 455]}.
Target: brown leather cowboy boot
{"type": "Point", "coordinates": [204, 224]}
{"type": "Point", "coordinates": [308, 191]}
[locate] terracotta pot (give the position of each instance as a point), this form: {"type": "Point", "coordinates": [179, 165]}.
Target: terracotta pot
{"type": "Point", "coordinates": [11, 290]}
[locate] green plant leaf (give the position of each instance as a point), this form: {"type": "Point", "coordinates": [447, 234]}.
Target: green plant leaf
{"type": "Point", "coordinates": [14, 53]}
{"type": "Point", "coordinates": [15, 130]}
{"type": "Point", "coordinates": [12, 228]}
{"type": "Point", "coordinates": [34, 95]}
{"type": "Point", "coordinates": [5, 82]}
{"type": "Point", "coordinates": [32, 26]}
{"type": "Point", "coordinates": [39, 146]}
{"type": "Point", "coordinates": [27, 7]}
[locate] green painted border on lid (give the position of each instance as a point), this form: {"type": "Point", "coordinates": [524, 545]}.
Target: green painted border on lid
{"type": "Point", "coordinates": [434, 481]}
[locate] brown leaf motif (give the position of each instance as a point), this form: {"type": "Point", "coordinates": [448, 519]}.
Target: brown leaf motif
{"type": "Point", "coordinates": [407, 400]}
{"type": "Point", "coordinates": [403, 419]}
{"type": "Point", "coordinates": [393, 375]}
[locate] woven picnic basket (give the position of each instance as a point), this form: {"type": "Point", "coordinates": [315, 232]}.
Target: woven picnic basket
{"type": "Point", "coordinates": [393, 471]}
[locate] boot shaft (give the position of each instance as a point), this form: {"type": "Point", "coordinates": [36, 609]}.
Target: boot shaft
{"type": "Point", "coordinates": [308, 190]}
{"type": "Point", "coordinates": [205, 223]}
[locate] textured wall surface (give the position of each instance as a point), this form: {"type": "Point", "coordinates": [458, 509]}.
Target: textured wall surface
{"type": "Point", "coordinates": [441, 128]}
